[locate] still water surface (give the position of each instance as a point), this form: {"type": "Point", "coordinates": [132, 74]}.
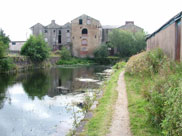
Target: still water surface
{"type": "Point", "coordinates": [40, 102]}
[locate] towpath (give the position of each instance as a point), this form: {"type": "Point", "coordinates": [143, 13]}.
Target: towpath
{"type": "Point", "coordinates": [120, 122]}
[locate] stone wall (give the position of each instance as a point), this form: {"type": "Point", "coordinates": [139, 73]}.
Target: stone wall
{"type": "Point", "coordinates": [24, 62]}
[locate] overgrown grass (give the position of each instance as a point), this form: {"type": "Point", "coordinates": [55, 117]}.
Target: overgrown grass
{"type": "Point", "coordinates": [75, 61]}
{"type": "Point", "coordinates": [137, 105]}
{"type": "Point", "coordinates": [160, 86]}
{"type": "Point", "coordinates": [101, 121]}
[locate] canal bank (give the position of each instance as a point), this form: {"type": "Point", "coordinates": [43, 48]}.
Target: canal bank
{"type": "Point", "coordinates": [98, 120]}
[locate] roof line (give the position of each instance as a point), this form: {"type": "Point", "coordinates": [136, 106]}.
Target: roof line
{"type": "Point", "coordinates": [171, 21]}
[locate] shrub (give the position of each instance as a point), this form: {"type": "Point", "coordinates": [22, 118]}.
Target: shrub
{"type": "Point", "coordinates": [119, 65]}
{"type": "Point", "coordinates": [106, 60]}
{"type": "Point", "coordinates": [6, 64]}
{"type": "Point", "coordinates": [101, 52]}
{"type": "Point", "coordinates": [36, 48]}
{"type": "Point", "coordinates": [75, 61]}
{"type": "Point", "coordinates": [4, 44]}
{"type": "Point", "coordinates": [65, 54]}
{"type": "Point", "coordinates": [147, 63]}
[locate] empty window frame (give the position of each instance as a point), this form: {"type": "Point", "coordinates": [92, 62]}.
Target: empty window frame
{"type": "Point", "coordinates": [59, 32]}
{"type": "Point", "coordinates": [80, 21]}
{"type": "Point", "coordinates": [84, 31]}
{"type": "Point", "coordinates": [59, 37]}
{"type": "Point", "coordinates": [88, 22]}
{"type": "Point", "coordinates": [13, 43]}
{"type": "Point", "coordinates": [84, 42]}
{"type": "Point", "coordinates": [46, 40]}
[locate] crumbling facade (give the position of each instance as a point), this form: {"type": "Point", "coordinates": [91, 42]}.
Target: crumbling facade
{"type": "Point", "coordinates": [86, 36]}
{"type": "Point", "coordinates": [82, 36]}
{"type": "Point", "coordinates": [54, 34]}
{"type": "Point", "coordinates": [130, 26]}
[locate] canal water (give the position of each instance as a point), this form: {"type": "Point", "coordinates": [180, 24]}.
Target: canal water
{"type": "Point", "coordinates": [45, 102]}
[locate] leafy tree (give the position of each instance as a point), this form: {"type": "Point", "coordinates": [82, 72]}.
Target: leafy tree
{"type": "Point", "coordinates": [4, 43]}
{"type": "Point", "coordinates": [127, 43]}
{"type": "Point", "coordinates": [36, 48]}
{"type": "Point", "coordinates": [65, 54]}
{"type": "Point", "coordinates": [5, 62]}
{"type": "Point", "coordinates": [102, 51]}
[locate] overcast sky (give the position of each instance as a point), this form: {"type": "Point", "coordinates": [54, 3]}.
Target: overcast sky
{"type": "Point", "coordinates": [17, 16]}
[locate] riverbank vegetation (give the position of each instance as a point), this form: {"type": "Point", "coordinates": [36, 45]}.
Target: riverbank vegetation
{"type": "Point", "coordinates": [6, 62]}
{"type": "Point", "coordinates": [98, 125]}
{"type": "Point", "coordinates": [100, 58]}
{"type": "Point", "coordinates": [154, 94]}
{"type": "Point", "coordinates": [127, 43]}
{"type": "Point", "coordinates": [36, 49]}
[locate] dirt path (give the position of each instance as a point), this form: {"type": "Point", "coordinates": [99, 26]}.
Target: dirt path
{"type": "Point", "coordinates": [120, 120]}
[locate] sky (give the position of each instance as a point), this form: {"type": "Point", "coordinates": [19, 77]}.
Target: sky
{"type": "Point", "coordinates": [17, 16]}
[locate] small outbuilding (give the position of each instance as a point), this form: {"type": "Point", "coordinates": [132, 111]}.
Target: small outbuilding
{"type": "Point", "coordinates": [168, 37]}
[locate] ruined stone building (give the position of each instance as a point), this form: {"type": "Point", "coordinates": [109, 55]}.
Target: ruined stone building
{"type": "Point", "coordinates": [86, 36]}
{"type": "Point", "coordinates": [56, 35]}
{"type": "Point", "coordinates": [82, 36]}
{"type": "Point", "coordinates": [105, 32]}
{"type": "Point", "coordinates": [130, 26]}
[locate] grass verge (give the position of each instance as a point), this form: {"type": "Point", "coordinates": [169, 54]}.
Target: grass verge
{"type": "Point", "coordinates": [100, 123]}
{"type": "Point", "coordinates": [137, 105]}
{"type": "Point", "coordinates": [75, 61]}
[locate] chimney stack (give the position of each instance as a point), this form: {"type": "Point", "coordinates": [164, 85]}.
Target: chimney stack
{"type": "Point", "coordinates": [53, 22]}
{"type": "Point", "coordinates": [129, 22]}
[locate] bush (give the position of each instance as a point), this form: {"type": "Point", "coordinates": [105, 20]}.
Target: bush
{"type": "Point", "coordinates": [119, 65]}
{"type": "Point", "coordinates": [165, 93]}
{"type": "Point", "coordinates": [75, 61]}
{"type": "Point", "coordinates": [106, 60]}
{"type": "Point", "coordinates": [4, 44]}
{"type": "Point", "coordinates": [147, 63]}
{"type": "Point", "coordinates": [36, 48]}
{"type": "Point", "coordinates": [165, 108]}
{"type": "Point", "coordinates": [65, 54]}
{"type": "Point", "coordinates": [6, 64]}
{"type": "Point", "coordinates": [101, 52]}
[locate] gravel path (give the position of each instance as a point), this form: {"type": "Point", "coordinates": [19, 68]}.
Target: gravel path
{"type": "Point", "coordinates": [120, 121]}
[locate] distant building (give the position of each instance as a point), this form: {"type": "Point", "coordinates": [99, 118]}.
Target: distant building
{"type": "Point", "coordinates": [105, 32]}
{"type": "Point", "coordinates": [86, 35]}
{"type": "Point", "coordinates": [15, 46]}
{"type": "Point", "coordinates": [130, 26]}
{"type": "Point", "coordinates": [83, 35]}
{"type": "Point", "coordinates": [54, 34]}
{"type": "Point", "coordinates": [168, 38]}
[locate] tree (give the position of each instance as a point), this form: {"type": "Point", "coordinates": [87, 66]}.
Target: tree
{"type": "Point", "coordinates": [36, 48]}
{"type": "Point", "coordinates": [6, 63]}
{"type": "Point", "coordinates": [4, 44]}
{"type": "Point", "coordinates": [65, 54]}
{"type": "Point", "coordinates": [127, 43]}
{"type": "Point", "coordinates": [102, 51]}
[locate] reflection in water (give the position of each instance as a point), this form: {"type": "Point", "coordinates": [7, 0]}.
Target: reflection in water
{"type": "Point", "coordinates": [5, 81]}
{"type": "Point", "coordinates": [35, 103]}
{"type": "Point", "coordinates": [36, 84]}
